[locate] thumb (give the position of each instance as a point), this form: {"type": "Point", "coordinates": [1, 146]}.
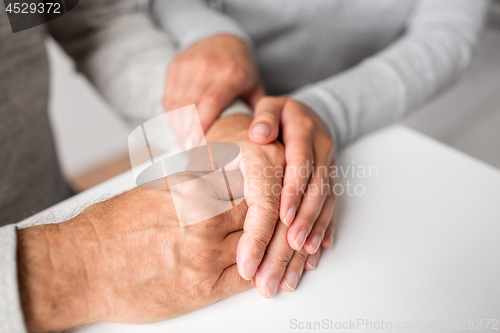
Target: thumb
{"type": "Point", "coordinates": [266, 122]}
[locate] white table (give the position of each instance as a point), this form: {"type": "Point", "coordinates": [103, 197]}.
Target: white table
{"type": "Point", "coordinates": [421, 245]}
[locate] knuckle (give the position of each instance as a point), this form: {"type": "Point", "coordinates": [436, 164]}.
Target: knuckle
{"type": "Point", "coordinates": [211, 98]}
{"type": "Point", "coordinates": [268, 212]}
{"type": "Point", "coordinates": [270, 205]}
{"type": "Point", "coordinates": [281, 258]}
{"type": "Point", "coordinates": [205, 63]}
{"type": "Point", "coordinates": [309, 219]}
{"type": "Point", "coordinates": [294, 108]}
{"type": "Point", "coordinates": [182, 63]}
{"type": "Point", "coordinates": [307, 124]}
{"type": "Point", "coordinates": [234, 71]}
{"type": "Point", "coordinates": [302, 255]}
{"type": "Point", "coordinates": [261, 238]}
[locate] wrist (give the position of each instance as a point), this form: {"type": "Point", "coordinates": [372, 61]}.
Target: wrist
{"type": "Point", "coordinates": [53, 279]}
{"type": "Point", "coordinates": [232, 128]}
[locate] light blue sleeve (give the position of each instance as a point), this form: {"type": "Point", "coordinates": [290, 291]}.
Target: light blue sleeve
{"type": "Point", "coordinates": [11, 314]}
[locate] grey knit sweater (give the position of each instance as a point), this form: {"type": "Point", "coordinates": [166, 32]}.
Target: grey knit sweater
{"type": "Point", "coordinates": [359, 64]}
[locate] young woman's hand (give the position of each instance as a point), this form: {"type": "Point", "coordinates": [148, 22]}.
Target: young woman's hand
{"type": "Point", "coordinates": [307, 198]}
{"type": "Point", "coordinates": [263, 249]}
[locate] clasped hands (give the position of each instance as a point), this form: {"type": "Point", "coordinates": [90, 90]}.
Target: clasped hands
{"type": "Point", "coordinates": [212, 73]}
{"type": "Point", "coordinates": [127, 260]}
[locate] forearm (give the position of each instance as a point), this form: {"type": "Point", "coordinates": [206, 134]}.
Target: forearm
{"type": "Point", "coordinates": [43, 278]}
{"type": "Point", "coordinates": [55, 277]}
{"type": "Point", "coordinates": [435, 50]}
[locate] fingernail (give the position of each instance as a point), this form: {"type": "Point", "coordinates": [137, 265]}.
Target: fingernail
{"type": "Point", "coordinates": [250, 269]}
{"type": "Point", "coordinates": [300, 239]}
{"type": "Point", "coordinates": [315, 243]}
{"type": "Point", "coordinates": [272, 288]}
{"type": "Point", "coordinates": [191, 141]}
{"type": "Point", "coordinates": [312, 261]}
{"type": "Point", "coordinates": [291, 281]}
{"type": "Point", "coordinates": [290, 215]}
{"type": "Point", "coordinates": [261, 131]}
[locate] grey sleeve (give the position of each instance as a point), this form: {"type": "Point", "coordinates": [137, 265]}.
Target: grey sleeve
{"type": "Point", "coordinates": [435, 50]}
{"type": "Point", "coordinates": [193, 20]}
{"type": "Point", "coordinates": [118, 47]}
{"type": "Point", "coordinates": [11, 314]}
{"type": "Point", "coordinates": [190, 21]}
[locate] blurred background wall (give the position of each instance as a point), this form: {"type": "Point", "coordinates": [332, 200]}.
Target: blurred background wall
{"type": "Point", "coordinates": [92, 139]}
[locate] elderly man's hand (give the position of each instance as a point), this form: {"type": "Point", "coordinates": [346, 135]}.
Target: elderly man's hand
{"type": "Point", "coordinates": [308, 199]}
{"type": "Point", "coordinates": [263, 250]}
{"type": "Point", "coordinates": [128, 260]}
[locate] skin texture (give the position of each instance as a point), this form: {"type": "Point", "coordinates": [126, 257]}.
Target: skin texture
{"type": "Point", "coordinates": [127, 260]}
{"type": "Point", "coordinates": [263, 250]}
{"type": "Point", "coordinates": [308, 146]}
{"type": "Point", "coordinates": [210, 74]}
